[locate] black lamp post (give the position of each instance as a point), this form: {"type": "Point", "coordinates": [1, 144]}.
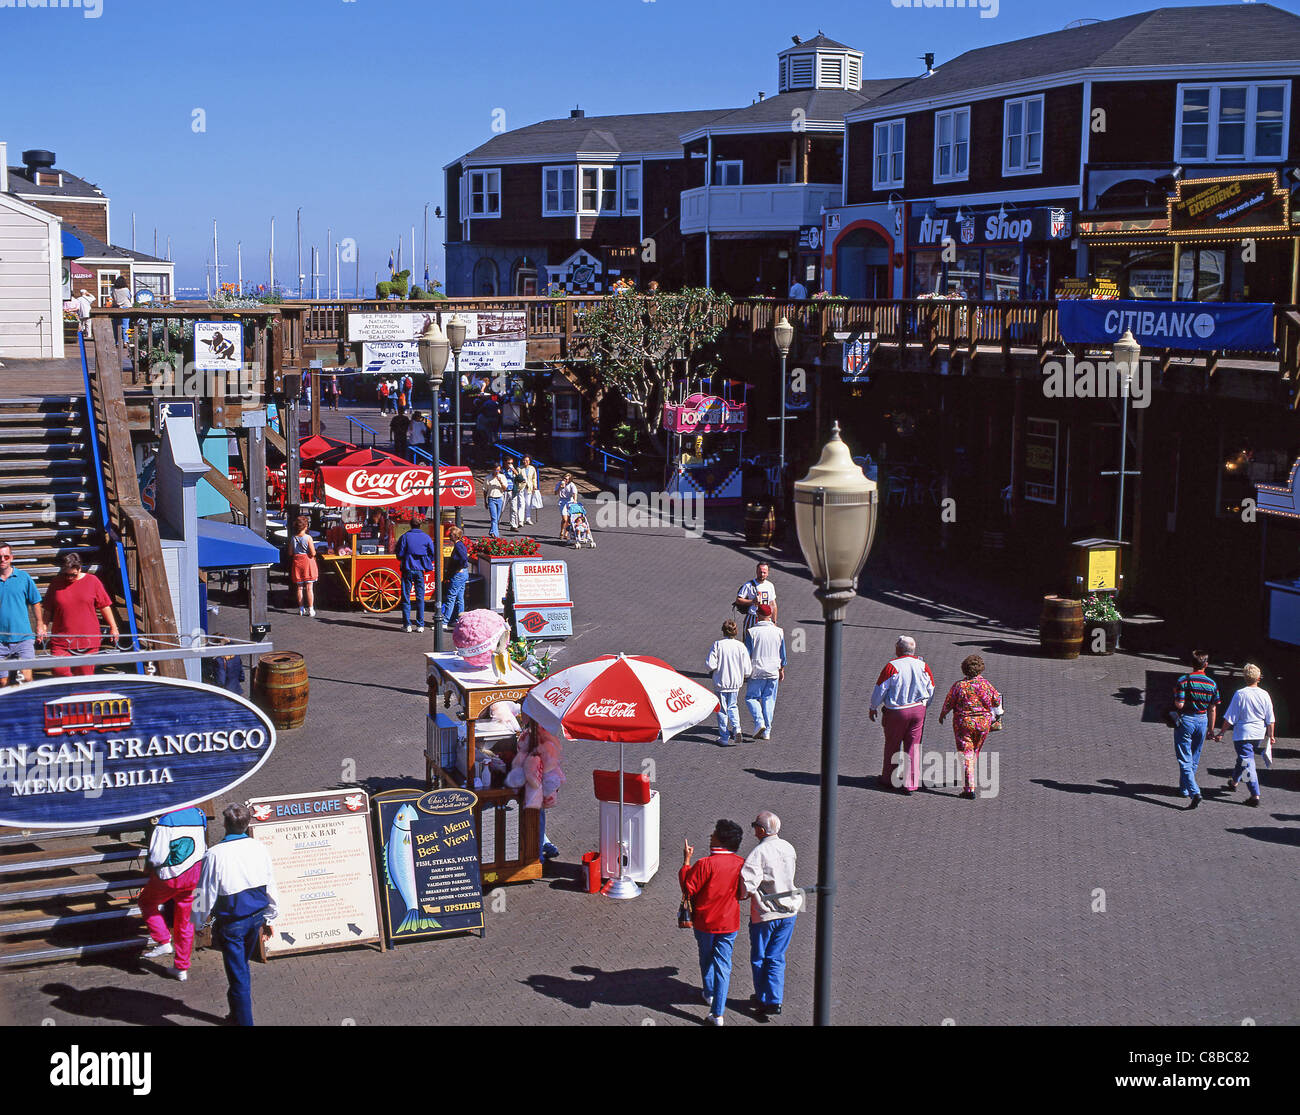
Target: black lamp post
{"type": "Point", "coordinates": [434, 348]}
{"type": "Point", "coordinates": [835, 515]}
{"type": "Point", "coordinates": [456, 338]}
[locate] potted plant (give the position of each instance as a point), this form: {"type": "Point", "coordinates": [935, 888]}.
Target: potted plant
{"type": "Point", "coordinates": [525, 652]}
{"type": "Point", "coordinates": [494, 557]}
{"type": "Point", "coordinates": [1101, 624]}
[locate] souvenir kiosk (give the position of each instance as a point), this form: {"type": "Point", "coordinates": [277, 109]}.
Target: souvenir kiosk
{"type": "Point", "coordinates": [509, 838]}
{"type": "Point", "coordinates": [708, 437]}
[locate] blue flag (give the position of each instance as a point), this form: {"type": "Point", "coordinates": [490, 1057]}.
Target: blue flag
{"type": "Point", "coordinates": [391, 269]}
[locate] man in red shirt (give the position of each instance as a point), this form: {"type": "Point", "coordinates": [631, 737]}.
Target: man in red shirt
{"type": "Point", "coordinates": [73, 605]}
{"type": "Point", "coordinates": [713, 887]}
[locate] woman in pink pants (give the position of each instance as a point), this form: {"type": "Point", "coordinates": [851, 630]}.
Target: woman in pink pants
{"type": "Point", "coordinates": [176, 851]}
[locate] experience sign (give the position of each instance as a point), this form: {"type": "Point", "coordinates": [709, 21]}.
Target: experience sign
{"type": "Point", "coordinates": [78, 752]}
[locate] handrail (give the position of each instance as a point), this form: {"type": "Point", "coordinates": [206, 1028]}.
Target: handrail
{"type": "Point", "coordinates": [418, 453]}
{"type": "Point", "coordinates": [374, 434]}
{"type": "Point", "coordinates": [517, 455]}
{"type": "Point", "coordinates": [607, 455]}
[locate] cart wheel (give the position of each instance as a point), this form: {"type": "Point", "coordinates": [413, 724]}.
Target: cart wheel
{"type": "Point", "coordinates": [379, 590]}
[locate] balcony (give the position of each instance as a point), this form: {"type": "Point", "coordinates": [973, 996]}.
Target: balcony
{"type": "Point", "coordinates": [757, 209]}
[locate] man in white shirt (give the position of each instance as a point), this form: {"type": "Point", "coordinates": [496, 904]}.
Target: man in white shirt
{"type": "Point", "coordinates": [1250, 716]}
{"type": "Point", "coordinates": [730, 664]}
{"type": "Point", "coordinates": [903, 689]}
{"type": "Point", "coordinates": [758, 590]}
{"type": "Point", "coordinates": [237, 890]}
{"type": "Point", "coordinates": [766, 645]}
{"type": "Point", "coordinates": [798, 292]}
{"type": "Point", "coordinates": [774, 902]}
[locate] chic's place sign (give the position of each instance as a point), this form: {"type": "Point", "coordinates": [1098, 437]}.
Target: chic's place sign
{"type": "Point", "coordinates": [111, 748]}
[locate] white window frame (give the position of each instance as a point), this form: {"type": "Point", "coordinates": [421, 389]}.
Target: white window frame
{"type": "Point", "coordinates": [1024, 102]}
{"type": "Point", "coordinates": [601, 170]}
{"type": "Point", "coordinates": [483, 175]}
{"type": "Point", "coordinates": [630, 210]}
{"type": "Point", "coordinates": [559, 190]}
{"type": "Point", "coordinates": [886, 127]}
{"type": "Point", "coordinates": [785, 172]}
{"type": "Point", "coordinates": [953, 175]}
{"type": "Point", "coordinates": [719, 164]}
{"type": "Point", "coordinates": [1215, 90]}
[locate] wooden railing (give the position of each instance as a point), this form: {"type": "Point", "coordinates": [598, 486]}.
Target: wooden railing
{"type": "Point", "coordinates": [128, 520]}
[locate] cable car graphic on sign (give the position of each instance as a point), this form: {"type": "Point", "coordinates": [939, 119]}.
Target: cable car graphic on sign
{"type": "Point", "coordinates": [87, 712]}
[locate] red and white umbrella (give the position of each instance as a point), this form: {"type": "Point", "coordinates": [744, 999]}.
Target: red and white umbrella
{"type": "Point", "coordinates": [619, 698]}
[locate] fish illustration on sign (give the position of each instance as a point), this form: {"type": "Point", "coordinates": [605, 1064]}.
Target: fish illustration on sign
{"type": "Point", "coordinates": [399, 867]}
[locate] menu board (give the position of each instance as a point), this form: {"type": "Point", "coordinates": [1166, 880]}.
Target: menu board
{"type": "Point", "coordinates": [430, 862]}
{"type": "Point", "coordinates": [324, 864]}
{"type": "Point", "coordinates": [542, 608]}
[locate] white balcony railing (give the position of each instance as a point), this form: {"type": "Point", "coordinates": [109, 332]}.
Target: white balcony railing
{"type": "Point", "coordinates": [757, 208]}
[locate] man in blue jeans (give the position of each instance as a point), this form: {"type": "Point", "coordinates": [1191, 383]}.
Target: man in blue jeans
{"type": "Point", "coordinates": [237, 891]}
{"type": "Point", "coordinates": [416, 553]}
{"type": "Point", "coordinates": [766, 645]}
{"type": "Point", "coordinates": [456, 571]}
{"type": "Point", "coordinates": [767, 879]}
{"type": "Point", "coordinates": [1196, 702]}
{"type": "Point", "coordinates": [713, 887]}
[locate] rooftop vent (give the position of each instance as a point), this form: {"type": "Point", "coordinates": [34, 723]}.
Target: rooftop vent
{"type": "Point", "coordinates": [38, 160]}
{"type": "Point", "coordinates": [577, 114]}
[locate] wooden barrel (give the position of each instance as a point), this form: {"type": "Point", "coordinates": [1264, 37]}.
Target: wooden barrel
{"type": "Point", "coordinates": [280, 688]}
{"type": "Point", "coordinates": [1060, 627]}
{"type": "Point", "coordinates": [760, 523]}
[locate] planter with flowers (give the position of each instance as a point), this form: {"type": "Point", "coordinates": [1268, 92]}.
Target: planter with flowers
{"type": "Point", "coordinates": [493, 558]}
{"type": "Point", "coordinates": [1101, 624]}
{"type": "Point", "coordinates": [832, 308]}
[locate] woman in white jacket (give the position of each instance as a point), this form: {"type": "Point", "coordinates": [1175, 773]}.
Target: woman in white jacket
{"type": "Point", "coordinates": [731, 665]}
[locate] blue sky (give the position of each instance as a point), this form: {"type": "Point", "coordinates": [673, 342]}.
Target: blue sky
{"type": "Point", "coordinates": [350, 108]}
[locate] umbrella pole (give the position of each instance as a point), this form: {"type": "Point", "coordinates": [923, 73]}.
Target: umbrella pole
{"type": "Point", "coordinates": [621, 887]}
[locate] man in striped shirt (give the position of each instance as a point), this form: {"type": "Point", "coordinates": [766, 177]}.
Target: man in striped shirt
{"type": "Point", "coordinates": [1196, 703]}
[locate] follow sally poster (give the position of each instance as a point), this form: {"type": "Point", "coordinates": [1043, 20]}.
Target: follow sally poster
{"type": "Point", "coordinates": [429, 863]}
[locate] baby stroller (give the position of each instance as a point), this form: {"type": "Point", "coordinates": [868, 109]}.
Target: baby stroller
{"type": "Point", "coordinates": [579, 528]}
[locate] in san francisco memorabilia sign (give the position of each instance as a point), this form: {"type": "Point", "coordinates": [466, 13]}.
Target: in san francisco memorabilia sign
{"type": "Point", "coordinates": [1242, 205]}
{"type": "Point", "coordinates": [80, 752]}
{"type": "Point", "coordinates": [430, 863]}
{"type": "Point", "coordinates": [324, 862]}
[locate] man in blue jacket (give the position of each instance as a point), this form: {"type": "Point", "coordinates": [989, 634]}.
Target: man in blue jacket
{"type": "Point", "coordinates": [416, 553]}
{"type": "Point", "coordinates": [237, 892]}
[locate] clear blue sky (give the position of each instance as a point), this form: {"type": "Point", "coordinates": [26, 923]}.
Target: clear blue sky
{"type": "Point", "coordinates": [350, 108]}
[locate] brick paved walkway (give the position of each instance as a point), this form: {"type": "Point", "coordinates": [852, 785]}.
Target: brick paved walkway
{"type": "Point", "coordinates": [981, 912]}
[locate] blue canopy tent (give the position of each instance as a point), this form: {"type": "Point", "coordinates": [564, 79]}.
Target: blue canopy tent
{"type": "Point", "coordinates": [229, 546]}
{"type": "Point", "coordinates": [72, 247]}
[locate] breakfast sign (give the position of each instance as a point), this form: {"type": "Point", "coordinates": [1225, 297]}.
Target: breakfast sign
{"type": "Point", "coordinates": [542, 608]}
{"type": "Point", "coordinates": [79, 752]}
{"type": "Point", "coordinates": [323, 858]}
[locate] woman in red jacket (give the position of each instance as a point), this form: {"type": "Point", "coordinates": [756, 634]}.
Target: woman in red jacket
{"type": "Point", "coordinates": [712, 887]}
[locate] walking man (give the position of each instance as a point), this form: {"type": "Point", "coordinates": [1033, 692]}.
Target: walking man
{"type": "Point", "coordinates": [1250, 716]}
{"type": "Point", "coordinates": [767, 879]}
{"type": "Point", "coordinates": [756, 591]}
{"type": "Point", "coordinates": [1196, 703]}
{"type": "Point", "coordinates": [730, 663]}
{"type": "Point", "coordinates": [18, 593]}
{"type": "Point", "coordinates": [712, 887]}
{"type": "Point", "coordinates": [400, 428]}
{"type": "Point", "coordinates": [416, 552]}
{"type": "Point", "coordinates": [237, 891]}
{"type": "Point", "coordinates": [766, 645]}
{"type": "Point", "coordinates": [176, 849]}
{"type": "Point", "coordinates": [904, 689]}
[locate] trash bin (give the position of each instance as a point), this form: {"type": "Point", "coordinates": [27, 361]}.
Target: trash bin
{"type": "Point", "coordinates": [591, 861]}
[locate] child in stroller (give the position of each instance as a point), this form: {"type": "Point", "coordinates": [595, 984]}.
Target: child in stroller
{"type": "Point", "coordinates": [579, 528]}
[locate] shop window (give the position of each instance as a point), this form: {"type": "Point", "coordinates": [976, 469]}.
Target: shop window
{"type": "Point", "coordinates": [1202, 274]}
{"type": "Point", "coordinates": [1237, 123]}
{"type": "Point", "coordinates": [785, 172]}
{"type": "Point", "coordinates": [159, 284]}
{"type": "Point", "coordinates": [1147, 273]}
{"type": "Point", "coordinates": [523, 280]}
{"type": "Point", "coordinates": [1022, 129]}
{"type": "Point", "coordinates": [963, 278]}
{"type": "Point", "coordinates": [485, 193]}
{"type": "Point", "coordinates": [106, 287]}
{"type": "Point", "coordinates": [729, 172]}
{"type": "Point", "coordinates": [927, 273]}
{"type": "Point", "coordinates": [1037, 280]}
{"type": "Point", "coordinates": [559, 190]}
{"type": "Point", "coordinates": [887, 166]}
{"type": "Point", "coordinates": [485, 277]}
{"type": "Point", "coordinates": [1002, 274]}
{"type": "Point", "coordinates": [952, 145]}
{"type": "Point", "coordinates": [1245, 465]}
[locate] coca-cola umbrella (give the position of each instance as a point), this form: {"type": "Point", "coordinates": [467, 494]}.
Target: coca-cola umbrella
{"type": "Point", "coordinates": [619, 698]}
{"type": "Point", "coordinates": [319, 445]}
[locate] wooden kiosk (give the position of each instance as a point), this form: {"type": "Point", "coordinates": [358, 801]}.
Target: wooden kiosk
{"type": "Point", "coordinates": [509, 839]}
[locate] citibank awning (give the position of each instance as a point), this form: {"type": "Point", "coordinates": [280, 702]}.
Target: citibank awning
{"type": "Point", "coordinates": [228, 546]}
{"type": "Point", "coordinates": [72, 247]}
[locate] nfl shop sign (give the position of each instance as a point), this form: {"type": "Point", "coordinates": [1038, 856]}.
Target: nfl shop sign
{"type": "Point", "coordinates": [1015, 227]}
{"type": "Point", "coordinates": [78, 752]}
{"type": "Point", "coordinates": [380, 486]}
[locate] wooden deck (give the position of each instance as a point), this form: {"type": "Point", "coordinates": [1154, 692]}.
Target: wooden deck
{"type": "Point", "coordinates": [34, 379]}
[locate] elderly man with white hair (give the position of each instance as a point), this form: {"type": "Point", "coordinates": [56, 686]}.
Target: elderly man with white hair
{"type": "Point", "coordinates": [903, 691]}
{"type": "Point", "coordinates": [767, 879]}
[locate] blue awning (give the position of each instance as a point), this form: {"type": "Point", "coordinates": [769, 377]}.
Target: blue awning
{"type": "Point", "coordinates": [72, 247]}
{"type": "Point", "coordinates": [227, 546]}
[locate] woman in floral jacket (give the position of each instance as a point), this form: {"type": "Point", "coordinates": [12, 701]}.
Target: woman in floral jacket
{"type": "Point", "coordinates": [975, 704]}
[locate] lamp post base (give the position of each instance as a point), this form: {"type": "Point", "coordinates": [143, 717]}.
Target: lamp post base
{"type": "Point", "coordinates": [620, 888]}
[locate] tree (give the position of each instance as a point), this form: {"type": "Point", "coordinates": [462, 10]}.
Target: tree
{"type": "Point", "coordinates": [638, 343]}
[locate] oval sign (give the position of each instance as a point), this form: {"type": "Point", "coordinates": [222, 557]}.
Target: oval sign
{"type": "Point", "coordinates": [97, 751]}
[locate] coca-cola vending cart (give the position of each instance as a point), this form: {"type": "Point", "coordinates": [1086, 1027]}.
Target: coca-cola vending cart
{"type": "Point", "coordinates": [369, 572]}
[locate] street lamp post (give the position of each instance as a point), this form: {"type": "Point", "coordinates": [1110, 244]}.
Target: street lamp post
{"type": "Point", "coordinates": [434, 348]}
{"type": "Point", "coordinates": [456, 338]}
{"type": "Point", "coordinates": [835, 510]}
{"type": "Point", "coordinates": [1126, 353]}
{"type": "Point", "coordinates": [783, 334]}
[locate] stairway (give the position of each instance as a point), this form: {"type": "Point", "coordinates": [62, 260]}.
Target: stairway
{"type": "Point", "coordinates": [70, 893]}
{"type": "Point", "coordinates": [49, 501]}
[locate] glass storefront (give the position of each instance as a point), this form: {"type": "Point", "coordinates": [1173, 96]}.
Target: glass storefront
{"type": "Point", "coordinates": [927, 273]}
{"type": "Point", "coordinates": [997, 274]}
{"type": "Point", "coordinates": [1002, 274]}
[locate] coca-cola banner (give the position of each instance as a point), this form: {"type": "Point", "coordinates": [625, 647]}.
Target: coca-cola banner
{"type": "Point", "coordinates": [395, 486]}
